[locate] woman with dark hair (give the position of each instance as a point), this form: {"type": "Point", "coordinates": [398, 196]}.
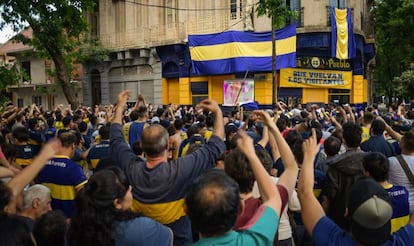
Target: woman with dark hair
{"type": "Point", "coordinates": [102, 215]}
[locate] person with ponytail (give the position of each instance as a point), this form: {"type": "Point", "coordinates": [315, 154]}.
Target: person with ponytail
{"type": "Point", "coordinates": [102, 215]}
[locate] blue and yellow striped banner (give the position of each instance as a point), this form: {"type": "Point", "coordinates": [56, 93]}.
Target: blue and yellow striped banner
{"type": "Point", "coordinates": [343, 40]}
{"type": "Point", "coordinates": [236, 51]}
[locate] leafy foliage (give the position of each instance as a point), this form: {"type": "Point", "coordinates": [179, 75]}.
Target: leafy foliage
{"type": "Point", "coordinates": [58, 30]}
{"type": "Point", "coordinates": [277, 10]}
{"type": "Point", "coordinates": [91, 51]}
{"type": "Point", "coordinates": [279, 13]}
{"type": "Point", "coordinates": [405, 83]}
{"type": "Point", "coordinates": [394, 22]}
{"type": "Point", "coordinates": [8, 76]}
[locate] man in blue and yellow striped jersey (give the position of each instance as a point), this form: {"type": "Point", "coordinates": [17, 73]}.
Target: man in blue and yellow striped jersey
{"type": "Point", "coordinates": [159, 185]}
{"type": "Point", "coordinates": [377, 166]}
{"type": "Point", "coordinates": [24, 152]}
{"type": "Point", "coordinates": [101, 150]}
{"type": "Point", "coordinates": [63, 176]}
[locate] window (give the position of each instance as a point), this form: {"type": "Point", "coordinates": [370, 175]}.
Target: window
{"type": "Point", "coordinates": [337, 3]}
{"type": "Point", "coordinates": [294, 5]}
{"type": "Point", "coordinates": [362, 21]}
{"type": "Point", "coordinates": [26, 70]}
{"type": "Point", "coordinates": [51, 101]}
{"type": "Point", "coordinates": [20, 103]}
{"type": "Point", "coordinates": [171, 12]}
{"type": "Point", "coordinates": [240, 9]}
{"type": "Point", "coordinates": [341, 4]}
{"type": "Point", "coordinates": [339, 96]}
{"type": "Point", "coordinates": [199, 91]}
{"type": "Point", "coordinates": [236, 9]}
{"type": "Point", "coordinates": [37, 100]}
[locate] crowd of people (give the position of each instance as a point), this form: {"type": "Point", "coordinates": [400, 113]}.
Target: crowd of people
{"type": "Point", "coordinates": [180, 175]}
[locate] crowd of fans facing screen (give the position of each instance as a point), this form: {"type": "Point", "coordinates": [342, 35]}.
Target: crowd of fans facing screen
{"type": "Point", "coordinates": [175, 175]}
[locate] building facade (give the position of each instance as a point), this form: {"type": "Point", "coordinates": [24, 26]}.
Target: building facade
{"type": "Point", "coordinates": [36, 85]}
{"type": "Point", "coordinates": [149, 53]}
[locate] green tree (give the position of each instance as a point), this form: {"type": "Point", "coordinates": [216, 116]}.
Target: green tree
{"type": "Point", "coordinates": [277, 10]}
{"type": "Point", "coordinates": [394, 22]}
{"type": "Point", "coordinates": [405, 83]}
{"type": "Point", "coordinates": [59, 28]}
{"type": "Point", "coordinates": [9, 75]}
{"type": "Point", "coordinates": [279, 13]}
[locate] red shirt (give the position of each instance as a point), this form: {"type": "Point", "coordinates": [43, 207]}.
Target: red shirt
{"type": "Point", "coordinates": [252, 204]}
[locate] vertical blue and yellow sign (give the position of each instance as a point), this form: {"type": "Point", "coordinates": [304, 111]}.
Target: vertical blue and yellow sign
{"type": "Point", "coordinates": [343, 41]}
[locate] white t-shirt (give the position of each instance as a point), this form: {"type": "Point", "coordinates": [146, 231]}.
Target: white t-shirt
{"type": "Point", "coordinates": [285, 230]}
{"type": "Point", "coordinates": [398, 176]}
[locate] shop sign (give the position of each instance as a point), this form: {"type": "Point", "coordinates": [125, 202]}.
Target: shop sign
{"type": "Point", "coordinates": [308, 78]}
{"type": "Point", "coordinates": [323, 63]}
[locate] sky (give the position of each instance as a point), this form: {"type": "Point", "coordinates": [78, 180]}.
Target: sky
{"type": "Point", "coordinates": [6, 34]}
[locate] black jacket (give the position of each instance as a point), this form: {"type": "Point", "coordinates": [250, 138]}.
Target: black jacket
{"type": "Point", "coordinates": [343, 171]}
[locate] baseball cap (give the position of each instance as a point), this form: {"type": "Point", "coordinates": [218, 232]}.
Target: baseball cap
{"type": "Point", "coordinates": [230, 128]}
{"type": "Point", "coordinates": [297, 120]}
{"type": "Point", "coordinates": [155, 119]}
{"type": "Point", "coordinates": [370, 212]}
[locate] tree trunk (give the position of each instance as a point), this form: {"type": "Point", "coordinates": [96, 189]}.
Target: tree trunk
{"type": "Point", "coordinates": [64, 78]}
{"type": "Point", "coordinates": [274, 73]}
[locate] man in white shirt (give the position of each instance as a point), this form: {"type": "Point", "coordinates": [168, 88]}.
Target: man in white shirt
{"type": "Point", "coordinates": [397, 174]}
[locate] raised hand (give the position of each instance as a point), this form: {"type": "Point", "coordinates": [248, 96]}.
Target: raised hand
{"type": "Point", "coordinates": [310, 146]}
{"type": "Point", "coordinates": [209, 105]}
{"type": "Point", "coordinates": [264, 117]}
{"type": "Point", "coordinates": [245, 143]}
{"type": "Point", "coordinates": [51, 148]}
{"type": "Point", "coordinates": [123, 97]}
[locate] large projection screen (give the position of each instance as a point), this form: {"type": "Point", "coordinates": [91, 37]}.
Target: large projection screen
{"type": "Point", "coordinates": [238, 92]}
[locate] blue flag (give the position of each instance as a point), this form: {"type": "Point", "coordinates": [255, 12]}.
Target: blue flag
{"type": "Point", "coordinates": [237, 51]}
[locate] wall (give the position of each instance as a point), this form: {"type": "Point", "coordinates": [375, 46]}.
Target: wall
{"type": "Point", "coordinates": [315, 95]}
{"type": "Point", "coordinates": [128, 27]}
{"type": "Point", "coordinates": [28, 93]}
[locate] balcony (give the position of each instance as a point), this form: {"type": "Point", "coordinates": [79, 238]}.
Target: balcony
{"type": "Point", "coordinates": [131, 38]}
{"type": "Point", "coordinates": [170, 33]}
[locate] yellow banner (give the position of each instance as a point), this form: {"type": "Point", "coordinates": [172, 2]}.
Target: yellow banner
{"type": "Point", "coordinates": [308, 78]}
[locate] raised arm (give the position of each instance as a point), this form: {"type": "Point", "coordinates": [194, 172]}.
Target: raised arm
{"type": "Point", "coordinates": [313, 112]}
{"type": "Point", "coordinates": [120, 150]}
{"type": "Point", "coordinates": [31, 111]}
{"type": "Point", "coordinates": [312, 211]}
{"type": "Point", "coordinates": [395, 135]}
{"type": "Point", "coordinates": [268, 191]}
{"type": "Point", "coordinates": [13, 115]}
{"type": "Point", "coordinates": [343, 113]}
{"type": "Point", "coordinates": [265, 137]}
{"type": "Point", "coordinates": [5, 172]}
{"type": "Point", "coordinates": [122, 99]}
{"type": "Point", "coordinates": [274, 148]}
{"type": "Point", "coordinates": [5, 163]}
{"type": "Point", "coordinates": [348, 109]}
{"type": "Point", "coordinates": [289, 176]}
{"type": "Point", "coordinates": [335, 122]}
{"type": "Point", "coordinates": [213, 107]}
{"type": "Point", "coordinates": [140, 102]}
{"type": "Point", "coordinates": [25, 176]}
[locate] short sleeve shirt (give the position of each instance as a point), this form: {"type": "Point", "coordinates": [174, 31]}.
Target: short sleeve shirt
{"type": "Point", "coordinates": [260, 231]}
{"type": "Point", "coordinates": [141, 231]}
{"type": "Point", "coordinates": [326, 232]}
{"type": "Point", "coordinates": [62, 176]}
